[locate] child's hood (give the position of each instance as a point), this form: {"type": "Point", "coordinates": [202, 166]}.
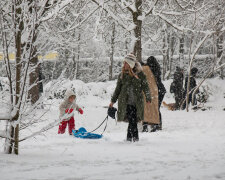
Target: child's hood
{"type": "Point", "coordinates": [68, 94]}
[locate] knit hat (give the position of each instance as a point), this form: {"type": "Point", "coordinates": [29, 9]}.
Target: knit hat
{"type": "Point", "coordinates": [131, 60]}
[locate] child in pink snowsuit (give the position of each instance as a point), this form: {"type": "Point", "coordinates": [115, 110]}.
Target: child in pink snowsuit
{"type": "Point", "coordinates": [67, 107]}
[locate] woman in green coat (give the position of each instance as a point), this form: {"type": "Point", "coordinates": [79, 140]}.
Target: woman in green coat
{"type": "Point", "coordinates": [129, 91]}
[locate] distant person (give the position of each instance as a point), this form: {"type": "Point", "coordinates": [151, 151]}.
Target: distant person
{"type": "Point", "coordinates": [129, 90]}
{"type": "Point", "coordinates": [176, 87]}
{"type": "Point", "coordinates": [66, 107]}
{"type": "Point", "coordinates": [1, 87]}
{"type": "Point", "coordinates": [193, 85]}
{"type": "Point", "coordinates": [41, 77]}
{"type": "Point", "coordinates": [151, 110]}
{"type": "Point", "coordinates": [156, 70]}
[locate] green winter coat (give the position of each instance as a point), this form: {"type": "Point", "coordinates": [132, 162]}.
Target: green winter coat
{"type": "Point", "coordinates": [121, 94]}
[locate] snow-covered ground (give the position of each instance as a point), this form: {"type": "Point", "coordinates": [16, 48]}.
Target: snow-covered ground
{"type": "Point", "coordinates": [191, 145]}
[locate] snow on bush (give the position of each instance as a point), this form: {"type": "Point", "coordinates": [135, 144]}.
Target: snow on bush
{"type": "Point", "coordinates": [57, 89]}
{"type": "Point", "coordinates": [204, 93]}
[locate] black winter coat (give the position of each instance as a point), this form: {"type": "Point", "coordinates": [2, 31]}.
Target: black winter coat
{"type": "Point", "coordinates": [161, 87]}
{"type": "Point", "coordinates": [193, 83]}
{"type": "Point", "coordinates": [177, 84]}
{"type": "Point", "coordinates": [156, 70]}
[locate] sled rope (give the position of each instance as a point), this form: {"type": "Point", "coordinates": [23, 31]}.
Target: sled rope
{"type": "Point", "coordinates": [106, 119]}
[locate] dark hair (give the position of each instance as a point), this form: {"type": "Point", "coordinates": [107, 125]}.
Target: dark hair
{"type": "Point", "coordinates": [194, 71]}
{"type": "Point", "coordinates": [154, 66]}
{"type": "Point", "coordinates": [179, 69]}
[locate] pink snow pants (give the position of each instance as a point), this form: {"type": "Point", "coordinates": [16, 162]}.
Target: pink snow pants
{"type": "Point", "coordinates": [63, 124]}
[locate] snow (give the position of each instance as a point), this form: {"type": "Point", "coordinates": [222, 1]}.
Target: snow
{"type": "Point", "coordinates": [191, 145]}
{"type": "Point", "coordinates": [141, 18]}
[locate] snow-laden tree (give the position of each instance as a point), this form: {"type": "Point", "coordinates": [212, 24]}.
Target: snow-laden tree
{"type": "Point", "coordinates": [20, 24]}
{"type": "Point", "coordinates": [198, 27]}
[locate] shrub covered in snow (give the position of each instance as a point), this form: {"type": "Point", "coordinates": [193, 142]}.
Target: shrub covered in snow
{"type": "Point", "coordinates": [204, 94]}
{"type": "Point", "coordinates": [56, 89]}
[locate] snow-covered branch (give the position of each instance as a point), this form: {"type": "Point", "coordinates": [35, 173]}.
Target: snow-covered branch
{"type": "Point", "coordinates": [57, 8]}
{"type": "Point", "coordinates": [49, 126]}
{"type": "Point", "coordinates": [151, 9]}
{"type": "Point", "coordinates": [80, 23]}
{"type": "Point", "coordinates": [182, 28]}
{"type": "Point", "coordinates": [117, 18]}
{"type": "Point", "coordinates": [5, 117]}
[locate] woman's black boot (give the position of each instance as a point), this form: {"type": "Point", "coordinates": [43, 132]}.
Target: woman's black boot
{"type": "Point", "coordinates": [145, 127]}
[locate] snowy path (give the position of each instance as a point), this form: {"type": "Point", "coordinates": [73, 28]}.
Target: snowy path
{"type": "Point", "coordinates": [191, 146]}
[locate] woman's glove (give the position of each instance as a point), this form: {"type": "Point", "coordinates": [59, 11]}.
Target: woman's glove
{"type": "Point", "coordinates": [80, 111]}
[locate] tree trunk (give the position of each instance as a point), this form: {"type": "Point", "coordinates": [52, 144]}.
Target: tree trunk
{"type": "Point", "coordinates": [137, 30]}
{"type": "Point", "coordinates": [220, 36]}
{"type": "Point", "coordinates": [219, 45]}
{"type": "Point", "coordinates": [11, 142]}
{"type": "Point", "coordinates": [18, 50]}
{"type": "Point", "coordinates": [126, 47]}
{"type": "Point", "coordinates": [16, 146]}
{"type": "Point", "coordinates": [112, 51]}
{"type": "Point", "coordinates": [172, 50]}
{"type": "Point", "coordinates": [168, 52]}
{"type": "Point", "coordinates": [78, 56]}
{"type": "Point", "coordinates": [73, 73]}
{"type": "Point", "coordinates": [164, 50]}
{"type": "Point", "coordinates": [181, 51]}
{"type": "Point", "coordinates": [34, 78]}
{"type": "Point", "coordinates": [8, 143]}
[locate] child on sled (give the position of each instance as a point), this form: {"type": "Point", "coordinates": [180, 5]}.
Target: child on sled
{"type": "Point", "coordinates": [65, 108]}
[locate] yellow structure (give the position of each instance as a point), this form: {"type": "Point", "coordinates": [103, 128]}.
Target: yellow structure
{"type": "Point", "coordinates": [49, 56]}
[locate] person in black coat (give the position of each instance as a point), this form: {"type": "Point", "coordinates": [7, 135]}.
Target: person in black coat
{"type": "Point", "coordinates": [177, 87]}
{"type": "Point", "coordinates": [156, 70]}
{"type": "Point", "coordinates": [193, 85]}
{"type": "Point", "coordinates": [41, 77]}
{"type": "Point", "coordinates": [1, 87]}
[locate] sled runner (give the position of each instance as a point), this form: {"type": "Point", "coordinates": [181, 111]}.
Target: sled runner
{"type": "Point", "coordinates": [82, 133]}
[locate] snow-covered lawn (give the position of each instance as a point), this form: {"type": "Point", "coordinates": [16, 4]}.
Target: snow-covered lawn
{"type": "Point", "coordinates": [191, 146]}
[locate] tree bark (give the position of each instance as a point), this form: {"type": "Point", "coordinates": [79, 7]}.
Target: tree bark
{"type": "Point", "coordinates": [219, 45]}
{"type": "Point", "coordinates": [16, 146]}
{"type": "Point", "coordinates": [137, 30]}
{"type": "Point", "coordinates": [112, 51]}
{"type": "Point", "coordinates": [78, 55]}
{"type": "Point", "coordinates": [181, 51]}
{"type": "Point", "coordinates": [18, 36]}
{"type": "Point", "coordinates": [164, 50]}
{"type": "Point", "coordinates": [34, 77]}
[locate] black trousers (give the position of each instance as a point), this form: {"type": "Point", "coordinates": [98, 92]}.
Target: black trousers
{"type": "Point", "coordinates": [178, 100]}
{"type": "Point", "coordinates": [160, 99]}
{"type": "Point", "coordinates": [189, 101]}
{"type": "Point", "coordinates": [132, 131]}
